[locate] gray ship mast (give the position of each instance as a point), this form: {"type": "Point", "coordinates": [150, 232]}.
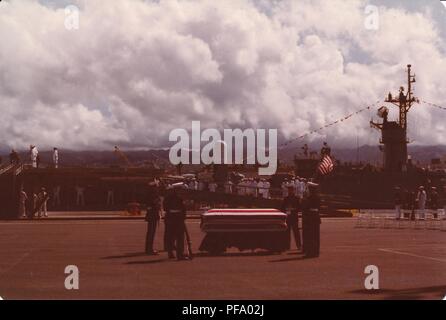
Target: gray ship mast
{"type": "Point", "coordinates": [394, 133]}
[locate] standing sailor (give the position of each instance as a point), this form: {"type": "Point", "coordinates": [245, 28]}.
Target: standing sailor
{"type": "Point", "coordinates": [398, 199]}
{"type": "Point", "coordinates": [421, 198]}
{"type": "Point", "coordinates": [14, 157]}
{"type": "Point", "coordinates": [56, 196]}
{"type": "Point", "coordinates": [43, 199]}
{"type": "Point", "coordinates": [35, 201]}
{"type": "Point", "coordinates": [433, 201]}
{"type": "Point", "coordinates": [325, 150]}
{"type": "Point", "coordinates": [174, 222]}
{"type": "Point", "coordinates": [22, 203]}
{"type": "Point", "coordinates": [290, 206]}
{"type": "Point", "coordinates": [284, 188]}
{"type": "Point", "coordinates": [311, 222]}
{"type": "Point", "coordinates": [267, 186]}
{"type": "Point", "coordinates": [152, 218]}
{"type": "Point", "coordinates": [34, 153]}
{"type": "Point", "coordinates": [55, 158]}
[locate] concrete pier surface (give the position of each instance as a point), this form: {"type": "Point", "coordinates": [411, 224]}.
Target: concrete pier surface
{"type": "Point", "coordinates": [112, 265]}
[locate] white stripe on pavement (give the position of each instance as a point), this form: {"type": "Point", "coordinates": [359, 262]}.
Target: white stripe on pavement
{"type": "Point", "coordinates": [412, 255]}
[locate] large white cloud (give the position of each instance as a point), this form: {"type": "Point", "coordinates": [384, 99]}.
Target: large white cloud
{"type": "Point", "coordinates": [135, 70]}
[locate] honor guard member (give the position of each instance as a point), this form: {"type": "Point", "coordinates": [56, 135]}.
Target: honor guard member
{"type": "Point", "coordinates": [174, 222]}
{"type": "Point", "coordinates": [311, 222]}
{"type": "Point", "coordinates": [152, 218]}
{"type": "Point", "coordinates": [290, 206]}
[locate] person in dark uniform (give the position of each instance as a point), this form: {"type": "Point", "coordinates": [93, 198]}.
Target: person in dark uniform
{"type": "Point", "coordinates": [398, 200]}
{"type": "Point", "coordinates": [311, 222]}
{"type": "Point", "coordinates": [433, 201]}
{"type": "Point", "coordinates": [290, 206]}
{"type": "Point", "coordinates": [406, 196]}
{"type": "Point", "coordinates": [14, 157]}
{"type": "Point", "coordinates": [412, 203]}
{"type": "Point", "coordinates": [152, 218]}
{"type": "Point", "coordinates": [174, 221]}
{"type": "Point", "coordinates": [325, 150]}
{"type": "Point", "coordinates": [305, 150]}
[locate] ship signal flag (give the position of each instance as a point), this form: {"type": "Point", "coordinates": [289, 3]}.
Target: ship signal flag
{"type": "Point", "coordinates": [326, 165]}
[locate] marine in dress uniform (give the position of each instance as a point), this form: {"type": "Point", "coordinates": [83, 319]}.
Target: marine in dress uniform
{"type": "Point", "coordinates": [290, 206]}
{"type": "Point", "coordinates": [152, 218]}
{"type": "Point", "coordinates": [311, 222]}
{"type": "Point", "coordinates": [174, 221]}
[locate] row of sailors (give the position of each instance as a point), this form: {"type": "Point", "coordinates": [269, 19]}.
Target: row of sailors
{"type": "Point", "coordinates": [299, 185]}
{"type": "Point", "coordinates": [246, 187]}
{"type": "Point", "coordinates": [251, 187]}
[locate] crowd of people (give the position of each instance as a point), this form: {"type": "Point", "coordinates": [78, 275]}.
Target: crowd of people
{"type": "Point", "coordinates": [416, 202]}
{"type": "Point", "coordinates": [34, 204]}
{"type": "Point", "coordinates": [254, 187]}
{"type": "Point", "coordinates": [37, 204]}
{"type": "Point", "coordinates": [34, 157]}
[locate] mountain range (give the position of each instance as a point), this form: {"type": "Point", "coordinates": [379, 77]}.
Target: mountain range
{"type": "Point", "coordinates": [364, 154]}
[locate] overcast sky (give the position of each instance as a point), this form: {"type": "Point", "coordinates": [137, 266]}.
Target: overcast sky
{"type": "Point", "coordinates": [134, 70]}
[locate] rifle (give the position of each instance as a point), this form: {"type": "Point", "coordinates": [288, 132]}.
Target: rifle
{"type": "Point", "coordinates": [188, 242]}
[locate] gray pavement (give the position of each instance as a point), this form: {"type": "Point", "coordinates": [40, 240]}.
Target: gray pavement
{"type": "Point", "coordinates": [112, 265]}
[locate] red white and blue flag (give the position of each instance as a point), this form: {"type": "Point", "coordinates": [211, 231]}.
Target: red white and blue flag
{"type": "Point", "coordinates": [326, 165]}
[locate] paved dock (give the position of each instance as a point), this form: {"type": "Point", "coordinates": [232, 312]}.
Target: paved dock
{"type": "Point", "coordinates": [112, 265]}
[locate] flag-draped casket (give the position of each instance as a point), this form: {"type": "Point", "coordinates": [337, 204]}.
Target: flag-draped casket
{"type": "Point", "coordinates": [244, 229]}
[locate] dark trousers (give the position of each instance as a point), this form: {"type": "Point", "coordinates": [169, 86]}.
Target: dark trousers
{"type": "Point", "coordinates": [150, 235]}
{"type": "Point", "coordinates": [311, 234]}
{"type": "Point", "coordinates": [174, 235]}
{"type": "Point", "coordinates": [293, 225]}
{"type": "Point", "coordinates": [412, 214]}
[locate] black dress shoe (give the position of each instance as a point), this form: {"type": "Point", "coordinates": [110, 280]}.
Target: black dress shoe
{"type": "Point", "coordinates": [152, 253]}
{"type": "Point", "coordinates": [171, 256]}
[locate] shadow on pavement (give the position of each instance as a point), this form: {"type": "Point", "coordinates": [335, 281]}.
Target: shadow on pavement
{"type": "Point", "coordinates": [196, 255]}
{"type": "Point", "coordinates": [208, 255]}
{"type": "Point", "coordinates": [406, 294]}
{"type": "Point", "coordinates": [148, 261]}
{"type": "Point", "coordinates": [234, 254]}
{"type": "Point", "coordinates": [127, 255]}
{"type": "Point", "coordinates": [290, 259]}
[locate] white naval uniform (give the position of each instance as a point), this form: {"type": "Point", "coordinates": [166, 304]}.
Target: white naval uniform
{"type": "Point", "coordinates": [422, 197]}
{"type": "Point", "coordinates": [34, 153]}
{"type": "Point", "coordinates": [56, 158]}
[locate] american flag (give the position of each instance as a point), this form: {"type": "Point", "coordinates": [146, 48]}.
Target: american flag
{"type": "Point", "coordinates": [325, 166]}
